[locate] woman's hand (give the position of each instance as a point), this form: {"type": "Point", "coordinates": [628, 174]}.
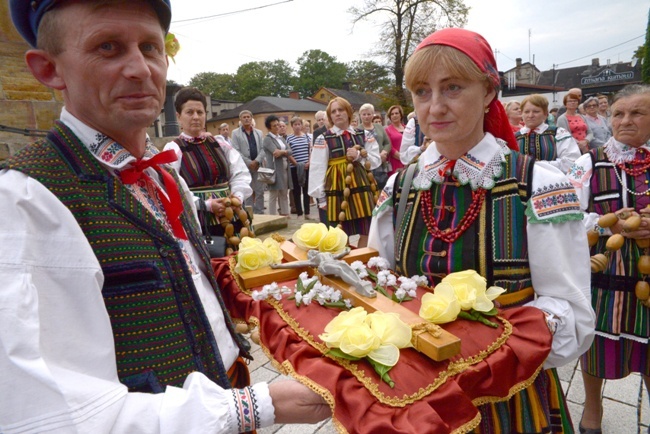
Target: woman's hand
{"type": "Point", "coordinates": [583, 145]}
{"type": "Point", "coordinates": [218, 206]}
{"type": "Point", "coordinates": [279, 153]}
{"type": "Point", "coordinates": [384, 156]}
{"type": "Point", "coordinates": [353, 153]}
{"type": "Point", "coordinates": [642, 232]}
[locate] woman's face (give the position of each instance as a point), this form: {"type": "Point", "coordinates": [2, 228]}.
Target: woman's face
{"type": "Point", "coordinates": [450, 111]}
{"type": "Point", "coordinates": [603, 105]}
{"type": "Point", "coordinates": [514, 113]}
{"type": "Point", "coordinates": [572, 105]}
{"type": "Point", "coordinates": [533, 116]}
{"type": "Point", "coordinates": [366, 117]}
{"type": "Point", "coordinates": [395, 117]}
{"type": "Point", "coordinates": [592, 108]}
{"type": "Point", "coordinates": [631, 120]}
{"type": "Point", "coordinates": [274, 127]}
{"type": "Point", "coordinates": [192, 118]}
{"type": "Point", "coordinates": [339, 116]}
{"type": "Point", "coordinates": [297, 127]}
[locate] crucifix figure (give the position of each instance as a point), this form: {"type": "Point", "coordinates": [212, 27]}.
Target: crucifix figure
{"type": "Point", "coordinates": [331, 265]}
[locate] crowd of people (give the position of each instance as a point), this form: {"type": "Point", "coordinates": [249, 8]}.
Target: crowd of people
{"type": "Point", "coordinates": [112, 320]}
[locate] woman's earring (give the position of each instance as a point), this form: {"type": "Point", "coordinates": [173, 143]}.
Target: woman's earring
{"type": "Point", "coordinates": [487, 109]}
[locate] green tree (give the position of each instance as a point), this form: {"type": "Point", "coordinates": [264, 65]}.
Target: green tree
{"type": "Point", "coordinates": [367, 76]}
{"type": "Point", "coordinates": [251, 81]}
{"type": "Point", "coordinates": [316, 69]}
{"type": "Point", "coordinates": [218, 86]}
{"type": "Point", "coordinates": [255, 79]}
{"type": "Point", "coordinates": [404, 24]}
{"type": "Point", "coordinates": [645, 65]}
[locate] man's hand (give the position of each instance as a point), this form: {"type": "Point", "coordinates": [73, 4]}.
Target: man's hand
{"type": "Point", "coordinates": [254, 165]}
{"type": "Point", "coordinates": [296, 403]}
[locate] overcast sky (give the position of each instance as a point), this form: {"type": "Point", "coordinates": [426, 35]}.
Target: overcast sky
{"type": "Point", "coordinates": [563, 32]}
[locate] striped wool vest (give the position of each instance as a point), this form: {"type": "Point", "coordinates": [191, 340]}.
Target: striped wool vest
{"type": "Point", "coordinates": [203, 164]}
{"type": "Point", "coordinates": [541, 146]}
{"type": "Point", "coordinates": [160, 329]}
{"type": "Point", "coordinates": [494, 245]}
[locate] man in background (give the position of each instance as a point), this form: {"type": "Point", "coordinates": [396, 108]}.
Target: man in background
{"type": "Point", "coordinates": [248, 141]}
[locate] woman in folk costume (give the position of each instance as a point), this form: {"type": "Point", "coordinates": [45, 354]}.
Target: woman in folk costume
{"type": "Point", "coordinates": [538, 139]}
{"type": "Point", "coordinates": [474, 202]}
{"type": "Point", "coordinates": [213, 170]}
{"type": "Point", "coordinates": [340, 177]}
{"type": "Point", "coordinates": [614, 178]}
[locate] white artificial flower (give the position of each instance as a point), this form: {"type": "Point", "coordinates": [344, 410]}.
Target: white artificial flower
{"type": "Point", "coordinates": [379, 263]}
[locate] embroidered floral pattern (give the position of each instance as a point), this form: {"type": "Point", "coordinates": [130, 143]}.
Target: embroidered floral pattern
{"type": "Point", "coordinates": [555, 199]}
{"type": "Point", "coordinates": [248, 418]}
{"type": "Point", "coordinates": [618, 153]}
{"type": "Point", "coordinates": [469, 169]}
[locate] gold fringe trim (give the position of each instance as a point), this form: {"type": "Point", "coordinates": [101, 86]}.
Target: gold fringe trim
{"type": "Point", "coordinates": [469, 426]}
{"type": "Point", "coordinates": [454, 368]}
{"type": "Point", "coordinates": [513, 390]}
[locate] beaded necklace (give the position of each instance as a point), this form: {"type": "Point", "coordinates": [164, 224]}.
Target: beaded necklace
{"type": "Point", "coordinates": [452, 234]}
{"type": "Point", "coordinates": [638, 167]}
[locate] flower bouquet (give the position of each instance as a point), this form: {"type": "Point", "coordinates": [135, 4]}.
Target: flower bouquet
{"type": "Point", "coordinates": [377, 337]}
{"type": "Point", "coordinates": [462, 294]}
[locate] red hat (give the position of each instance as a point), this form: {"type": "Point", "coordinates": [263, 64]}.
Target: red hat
{"type": "Point", "coordinates": [479, 51]}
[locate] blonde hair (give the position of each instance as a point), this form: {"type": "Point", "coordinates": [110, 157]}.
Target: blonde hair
{"type": "Point", "coordinates": [419, 66]}
{"type": "Point", "coordinates": [536, 100]}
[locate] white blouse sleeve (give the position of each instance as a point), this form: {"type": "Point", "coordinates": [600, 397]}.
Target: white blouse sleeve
{"type": "Point", "coordinates": [408, 151]}
{"type": "Point", "coordinates": [561, 274]}
{"type": "Point", "coordinates": [372, 147]}
{"type": "Point", "coordinates": [57, 356]}
{"type": "Point", "coordinates": [567, 150]}
{"type": "Point", "coordinates": [317, 168]}
{"type": "Point", "coordinates": [174, 146]}
{"type": "Point", "coordinates": [381, 236]}
{"type": "Point", "coordinates": [240, 176]}
{"type": "Point", "coordinates": [580, 176]}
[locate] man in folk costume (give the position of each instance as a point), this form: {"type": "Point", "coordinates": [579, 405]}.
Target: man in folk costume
{"type": "Point", "coordinates": [107, 289]}
{"type": "Point", "coordinates": [340, 177]}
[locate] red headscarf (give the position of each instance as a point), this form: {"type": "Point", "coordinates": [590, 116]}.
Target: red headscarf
{"type": "Point", "coordinates": [479, 51]}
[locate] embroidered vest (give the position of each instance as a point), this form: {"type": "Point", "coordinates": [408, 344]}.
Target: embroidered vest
{"type": "Point", "coordinates": [494, 245]}
{"type": "Point", "coordinates": [541, 146]}
{"type": "Point", "coordinates": [160, 329]}
{"type": "Point", "coordinates": [606, 196]}
{"type": "Point", "coordinates": [204, 164]}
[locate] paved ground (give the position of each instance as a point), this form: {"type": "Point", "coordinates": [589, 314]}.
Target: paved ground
{"type": "Point", "coordinates": [625, 401]}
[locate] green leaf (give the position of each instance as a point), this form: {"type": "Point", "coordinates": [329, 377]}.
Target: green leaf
{"type": "Point", "coordinates": [467, 315]}
{"type": "Point", "coordinates": [487, 322]}
{"type": "Point", "coordinates": [336, 304]}
{"type": "Point", "coordinates": [491, 312]}
{"type": "Point", "coordinates": [300, 287]}
{"type": "Point", "coordinates": [311, 285]}
{"type": "Point", "coordinates": [382, 371]}
{"type": "Point", "coordinates": [380, 289]}
{"type": "Point", "coordinates": [372, 274]}
{"type": "Point", "coordinates": [336, 352]}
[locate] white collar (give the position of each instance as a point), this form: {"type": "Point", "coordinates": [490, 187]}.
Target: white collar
{"type": "Point", "coordinates": [539, 130]}
{"type": "Point", "coordinates": [338, 131]}
{"type": "Point", "coordinates": [619, 153]}
{"type": "Point", "coordinates": [479, 167]}
{"type": "Point", "coordinates": [106, 150]}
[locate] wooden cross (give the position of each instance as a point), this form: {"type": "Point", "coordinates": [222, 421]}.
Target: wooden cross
{"type": "Point", "coordinates": [438, 348]}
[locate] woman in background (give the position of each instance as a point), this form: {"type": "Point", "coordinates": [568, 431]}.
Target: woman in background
{"type": "Point", "coordinates": [573, 122]}
{"type": "Point", "coordinates": [596, 123]}
{"type": "Point", "coordinates": [300, 150]}
{"type": "Point", "coordinates": [395, 132]}
{"type": "Point", "coordinates": [614, 179]}
{"type": "Point", "coordinates": [375, 132]}
{"type": "Point", "coordinates": [536, 138]}
{"type": "Point", "coordinates": [513, 111]}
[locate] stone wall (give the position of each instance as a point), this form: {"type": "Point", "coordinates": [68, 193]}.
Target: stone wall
{"type": "Point", "coordinates": [24, 102]}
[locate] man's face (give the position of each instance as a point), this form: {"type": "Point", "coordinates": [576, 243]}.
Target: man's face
{"type": "Point", "coordinates": [246, 120]}
{"type": "Point", "coordinates": [225, 131]}
{"type": "Point", "coordinates": [113, 66]}
{"type": "Point", "coordinates": [282, 128]}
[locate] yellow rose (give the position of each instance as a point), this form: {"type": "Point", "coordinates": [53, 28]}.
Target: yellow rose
{"type": "Point", "coordinates": [334, 242]}
{"type": "Point", "coordinates": [248, 242]}
{"type": "Point", "coordinates": [274, 250]}
{"type": "Point", "coordinates": [335, 329]}
{"type": "Point", "coordinates": [440, 307]}
{"type": "Point", "coordinates": [393, 334]}
{"type": "Point", "coordinates": [251, 257]}
{"type": "Point", "coordinates": [484, 300]}
{"type": "Point", "coordinates": [359, 340]}
{"type": "Point", "coordinates": [309, 235]}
